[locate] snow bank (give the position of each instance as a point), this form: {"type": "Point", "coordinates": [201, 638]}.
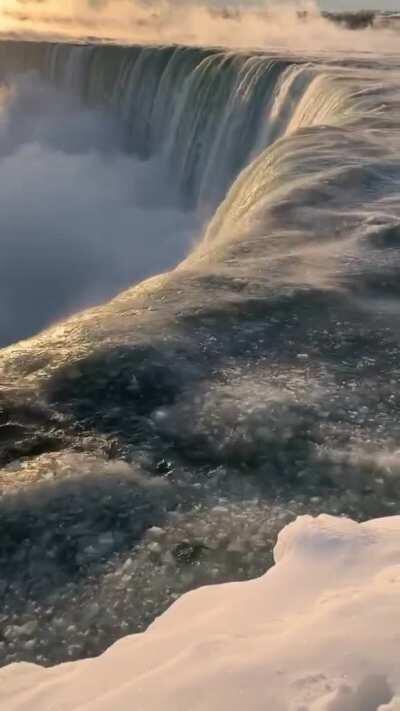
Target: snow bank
{"type": "Point", "coordinates": [319, 632]}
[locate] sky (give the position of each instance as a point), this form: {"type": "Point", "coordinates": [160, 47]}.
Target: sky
{"type": "Point", "coordinates": [360, 4]}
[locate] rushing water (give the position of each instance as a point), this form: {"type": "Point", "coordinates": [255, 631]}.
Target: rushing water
{"type": "Point", "coordinates": [158, 442]}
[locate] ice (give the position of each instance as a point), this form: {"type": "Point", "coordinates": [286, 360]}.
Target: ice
{"type": "Point", "coordinates": [319, 632]}
{"type": "Point", "coordinates": [369, 696]}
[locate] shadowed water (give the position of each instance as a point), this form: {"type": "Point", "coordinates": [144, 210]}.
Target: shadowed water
{"type": "Point", "coordinates": [158, 442]}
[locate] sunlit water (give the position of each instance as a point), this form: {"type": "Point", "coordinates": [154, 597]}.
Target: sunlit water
{"type": "Point", "coordinates": [159, 442]}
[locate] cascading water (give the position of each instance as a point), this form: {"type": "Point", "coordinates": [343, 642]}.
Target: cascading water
{"type": "Point", "coordinates": [190, 118]}
{"type": "Point", "coordinates": [206, 111]}
{"type": "Point", "coordinates": [153, 444]}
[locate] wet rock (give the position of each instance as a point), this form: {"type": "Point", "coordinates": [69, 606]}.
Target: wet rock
{"type": "Point", "coordinates": [11, 431]}
{"type": "Point", "coordinates": [164, 467]}
{"type": "Point", "coordinates": [188, 552]}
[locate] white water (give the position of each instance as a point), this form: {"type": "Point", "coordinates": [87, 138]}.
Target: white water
{"type": "Point", "coordinates": [257, 380]}
{"type": "Point", "coordinates": [80, 219]}
{"type": "Point", "coordinates": [153, 138]}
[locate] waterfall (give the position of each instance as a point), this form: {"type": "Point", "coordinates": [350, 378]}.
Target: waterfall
{"type": "Point", "coordinates": [208, 111]}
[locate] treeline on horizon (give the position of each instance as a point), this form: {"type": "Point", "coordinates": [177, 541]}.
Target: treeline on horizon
{"type": "Point", "coordinates": [354, 20]}
{"type": "Point", "coordinates": [351, 20]}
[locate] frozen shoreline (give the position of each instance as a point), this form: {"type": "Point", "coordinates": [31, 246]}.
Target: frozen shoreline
{"type": "Point", "coordinates": [319, 632]}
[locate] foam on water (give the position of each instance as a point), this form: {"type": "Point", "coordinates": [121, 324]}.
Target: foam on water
{"type": "Point", "coordinates": [258, 380]}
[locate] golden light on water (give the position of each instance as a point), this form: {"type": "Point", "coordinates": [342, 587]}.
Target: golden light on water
{"type": "Point", "coordinates": [75, 18]}
{"type": "Point", "coordinates": [268, 24]}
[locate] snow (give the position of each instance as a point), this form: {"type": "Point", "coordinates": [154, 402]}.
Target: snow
{"type": "Point", "coordinates": [319, 632]}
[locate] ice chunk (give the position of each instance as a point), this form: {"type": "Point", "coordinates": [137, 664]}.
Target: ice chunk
{"type": "Point", "coordinates": [319, 632]}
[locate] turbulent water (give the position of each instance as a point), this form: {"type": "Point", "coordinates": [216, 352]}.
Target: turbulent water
{"type": "Point", "coordinates": [157, 442]}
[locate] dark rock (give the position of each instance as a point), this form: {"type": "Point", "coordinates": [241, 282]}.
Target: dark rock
{"type": "Point", "coordinates": [188, 552]}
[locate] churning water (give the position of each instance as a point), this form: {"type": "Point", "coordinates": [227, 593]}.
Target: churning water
{"type": "Point", "coordinates": [157, 442]}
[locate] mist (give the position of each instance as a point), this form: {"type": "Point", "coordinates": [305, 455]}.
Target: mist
{"type": "Point", "coordinates": [210, 22]}
{"type": "Point", "coordinates": [80, 218]}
